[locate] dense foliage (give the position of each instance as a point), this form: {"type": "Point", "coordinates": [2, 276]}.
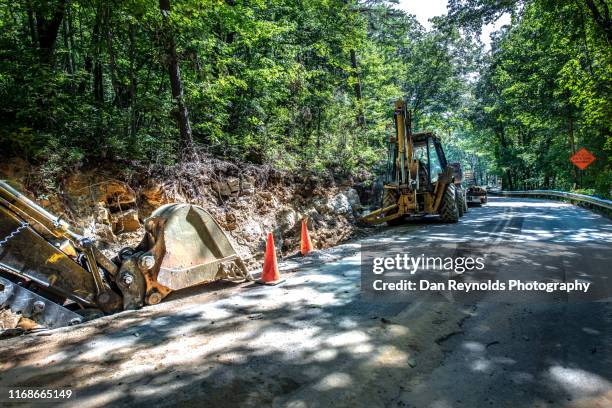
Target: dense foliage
{"type": "Point", "coordinates": [544, 92]}
{"type": "Point", "coordinates": [306, 83]}
{"type": "Point", "coordinates": [295, 82]}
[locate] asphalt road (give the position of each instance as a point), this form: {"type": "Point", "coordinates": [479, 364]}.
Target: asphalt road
{"type": "Point", "coordinates": [315, 341]}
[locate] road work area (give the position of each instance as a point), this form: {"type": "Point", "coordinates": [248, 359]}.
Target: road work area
{"type": "Point", "coordinates": [314, 341]}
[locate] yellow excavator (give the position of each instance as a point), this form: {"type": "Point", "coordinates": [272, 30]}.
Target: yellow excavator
{"type": "Point", "coordinates": [418, 179]}
{"type": "Point", "coordinates": [55, 276]}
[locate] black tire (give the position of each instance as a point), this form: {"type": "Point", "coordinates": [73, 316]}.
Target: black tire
{"type": "Point", "coordinates": [390, 197]}
{"type": "Point", "coordinates": [459, 201]}
{"type": "Point", "coordinates": [448, 208]}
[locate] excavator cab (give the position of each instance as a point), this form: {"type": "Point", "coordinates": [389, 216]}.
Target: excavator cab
{"type": "Point", "coordinates": [430, 157]}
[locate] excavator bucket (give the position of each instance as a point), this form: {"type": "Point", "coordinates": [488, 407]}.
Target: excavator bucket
{"type": "Point", "coordinates": [183, 246]}
{"type": "Point", "coordinates": [196, 248]}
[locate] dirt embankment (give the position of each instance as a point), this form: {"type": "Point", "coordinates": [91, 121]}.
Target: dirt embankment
{"type": "Point", "coordinates": [248, 201]}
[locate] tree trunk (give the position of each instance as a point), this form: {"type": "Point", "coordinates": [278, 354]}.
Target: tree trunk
{"type": "Point", "coordinates": [98, 80]}
{"type": "Point", "coordinates": [172, 64]}
{"type": "Point", "coordinates": [117, 89]}
{"type": "Point", "coordinates": [602, 18]}
{"type": "Point", "coordinates": [503, 143]}
{"type": "Point", "coordinates": [358, 94]}
{"type": "Point", "coordinates": [133, 83]}
{"type": "Point", "coordinates": [47, 29]}
{"type": "Point", "coordinates": [32, 25]}
{"type": "Point", "coordinates": [509, 176]}
{"type": "Point", "coordinates": [68, 45]}
{"type": "Point", "coordinates": [572, 144]}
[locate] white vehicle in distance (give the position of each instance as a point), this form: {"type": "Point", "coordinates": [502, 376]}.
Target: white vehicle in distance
{"type": "Point", "coordinates": [476, 195]}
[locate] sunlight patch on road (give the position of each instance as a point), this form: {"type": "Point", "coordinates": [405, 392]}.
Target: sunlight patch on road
{"type": "Point", "coordinates": [579, 382]}
{"type": "Point", "coordinates": [530, 204]}
{"type": "Point", "coordinates": [351, 337]}
{"type": "Point", "coordinates": [481, 365]}
{"type": "Point", "coordinates": [474, 346]}
{"type": "Point", "coordinates": [325, 355]}
{"type": "Point", "coordinates": [538, 233]}
{"type": "Point", "coordinates": [391, 356]}
{"type": "Point", "coordinates": [334, 380]}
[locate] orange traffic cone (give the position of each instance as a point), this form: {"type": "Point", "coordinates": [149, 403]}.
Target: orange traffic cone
{"type": "Point", "coordinates": [270, 274]}
{"type": "Point", "coordinates": [306, 244]}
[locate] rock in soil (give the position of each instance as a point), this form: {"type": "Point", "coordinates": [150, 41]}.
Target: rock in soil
{"type": "Point", "coordinates": [13, 324]}
{"type": "Point", "coordinates": [8, 319]}
{"type": "Point", "coordinates": [125, 221]}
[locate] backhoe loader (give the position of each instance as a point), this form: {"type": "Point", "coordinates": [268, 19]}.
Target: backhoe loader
{"type": "Point", "coordinates": [418, 179]}
{"type": "Point", "coordinates": [55, 276]}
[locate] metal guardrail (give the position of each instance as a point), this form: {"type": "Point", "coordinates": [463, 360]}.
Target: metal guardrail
{"type": "Point", "coordinates": [595, 202]}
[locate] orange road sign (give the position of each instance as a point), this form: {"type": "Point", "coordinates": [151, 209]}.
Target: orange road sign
{"type": "Point", "coordinates": [582, 158]}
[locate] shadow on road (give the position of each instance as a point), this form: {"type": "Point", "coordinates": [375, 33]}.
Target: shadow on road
{"type": "Point", "coordinates": [314, 341]}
